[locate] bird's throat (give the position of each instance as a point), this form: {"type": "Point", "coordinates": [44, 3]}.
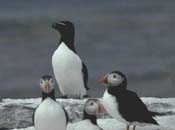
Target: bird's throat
{"type": "Point", "coordinates": [51, 95]}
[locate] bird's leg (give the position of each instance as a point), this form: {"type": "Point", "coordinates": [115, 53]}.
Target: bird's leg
{"type": "Point", "coordinates": [85, 96]}
{"type": "Point", "coordinates": [127, 127]}
{"type": "Point", "coordinates": [64, 97]}
{"type": "Point", "coordinates": [134, 127]}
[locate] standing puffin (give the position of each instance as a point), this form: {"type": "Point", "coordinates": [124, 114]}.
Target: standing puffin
{"type": "Point", "coordinates": [70, 71]}
{"type": "Point", "coordinates": [92, 108]}
{"type": "Point", "coordinates": [49, 115]}
{"type": "Point", "coordinates": [124, 105]}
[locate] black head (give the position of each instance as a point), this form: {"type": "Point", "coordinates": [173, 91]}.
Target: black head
{"type": "Point", "coordinates": [66, 30]}
{"type": "Point", "coordinates": [46, 77]}
{"type": "Point", "coordinates": [114, 79]}
{"type": "Point", "coordinates": [47, 86]}
{"type": "Point", "coordinates": [64, 27]}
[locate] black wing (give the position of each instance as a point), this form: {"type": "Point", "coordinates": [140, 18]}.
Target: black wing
{"type": "Point", "coordinates": [85, 75]}
{"type": "Point", "coordinates": [33, 116]}
{"type": "Point", "coordinates": [133, 109]}
{"type": "Point", "coordinates": [67, 117]}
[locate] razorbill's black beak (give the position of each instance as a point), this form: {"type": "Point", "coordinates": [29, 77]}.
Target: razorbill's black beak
{"type": "Point", "coordinates": [57, 26]}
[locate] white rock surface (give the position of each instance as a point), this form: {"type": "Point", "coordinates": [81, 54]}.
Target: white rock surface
{"type": "Point", "coordinates": [166, 123]}
{"type": "Point", "coordinates": [17, 113]}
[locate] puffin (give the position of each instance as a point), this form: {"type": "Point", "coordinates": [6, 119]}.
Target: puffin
{"type": "Point", "coordinates": [125, 105]}
{"type": "Point", "coordinates": [70, 71]}
{"type": "Point", "coordinates": [92, 109]}
{"type": "Point", "coordinates": [49, 115]}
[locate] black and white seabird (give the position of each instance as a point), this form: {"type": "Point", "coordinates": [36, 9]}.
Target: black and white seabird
{"type": "Point", "coordinates": [69, 70]}
{"type": "Point", "coordinates": [49, 115]}
{"type": "Point", "coordinates": [92, 108]}
{"type": "Point", "coordinates": [124, 105]}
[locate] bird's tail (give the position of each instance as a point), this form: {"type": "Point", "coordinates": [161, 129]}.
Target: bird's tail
{"type": "Point", "coordinates": [162, 114]}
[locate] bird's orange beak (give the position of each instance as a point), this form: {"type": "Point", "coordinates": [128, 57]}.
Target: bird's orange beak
{"type": "Point", "coordinates": [102, 80]}
{"type": "Point", "coordinates": [47, 88]}
{"type": "Point", "coordinates": [102, 110]}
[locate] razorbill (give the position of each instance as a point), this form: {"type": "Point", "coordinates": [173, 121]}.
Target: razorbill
{"type": "Point", "coordinates": [69, 70]}
{"type": "Point", "coordinates": [49, 115]}
{"type": "Point", "coordinates": [92, 109]}
{"type": "Point", "coordinates": [124, 105]}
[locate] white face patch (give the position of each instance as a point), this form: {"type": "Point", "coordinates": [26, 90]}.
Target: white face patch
{"type": "Point", "coordinates": [91, 107]}
{"type": "Point", "coordinates": [114, 79]}
{"type": "Point", "coordinates": [47, 85]}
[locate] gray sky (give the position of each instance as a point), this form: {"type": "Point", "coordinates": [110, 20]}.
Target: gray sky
{"type": "Point", "coordinates": [135, 37]}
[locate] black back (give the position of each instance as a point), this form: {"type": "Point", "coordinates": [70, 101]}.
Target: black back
{"type": "Point", "coordinates": [85, 75]}
{"type": "Point", "coordinates": [131, 106]}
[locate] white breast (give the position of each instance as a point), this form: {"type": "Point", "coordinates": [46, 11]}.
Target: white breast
{"type": "Point", "coordinates": [49, 116]}
{"type": "Point", "coordinates": [67, 68]}
{"type": "Point", "coordinates": [111, 105]}
{"type": "Point", "coordinates": [83, 125]}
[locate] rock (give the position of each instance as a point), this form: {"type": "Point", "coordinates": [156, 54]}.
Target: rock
{"type": "Point", "coordinates": [17, 113]}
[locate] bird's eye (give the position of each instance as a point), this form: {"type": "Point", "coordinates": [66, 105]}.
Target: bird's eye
{"type": "Point", "coordinates": [51, 80]}
{"type": "Point", "coordinates": [41, 81]}
{"type": "Point", "coordinates": [91, 103]}
{"type": "Point", "coordinates": [114, 76]}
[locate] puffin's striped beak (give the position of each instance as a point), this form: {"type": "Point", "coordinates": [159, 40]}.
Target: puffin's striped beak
{"type": "Point", "coordinates": [102, 80]}
{"type": "Point", "coordinates": [47, 87]}
{"type": "Point", "coordinates": [101, 109]}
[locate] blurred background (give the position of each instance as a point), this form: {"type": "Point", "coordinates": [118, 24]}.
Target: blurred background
{"type": "Point", "coordinates": [135, 37]}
